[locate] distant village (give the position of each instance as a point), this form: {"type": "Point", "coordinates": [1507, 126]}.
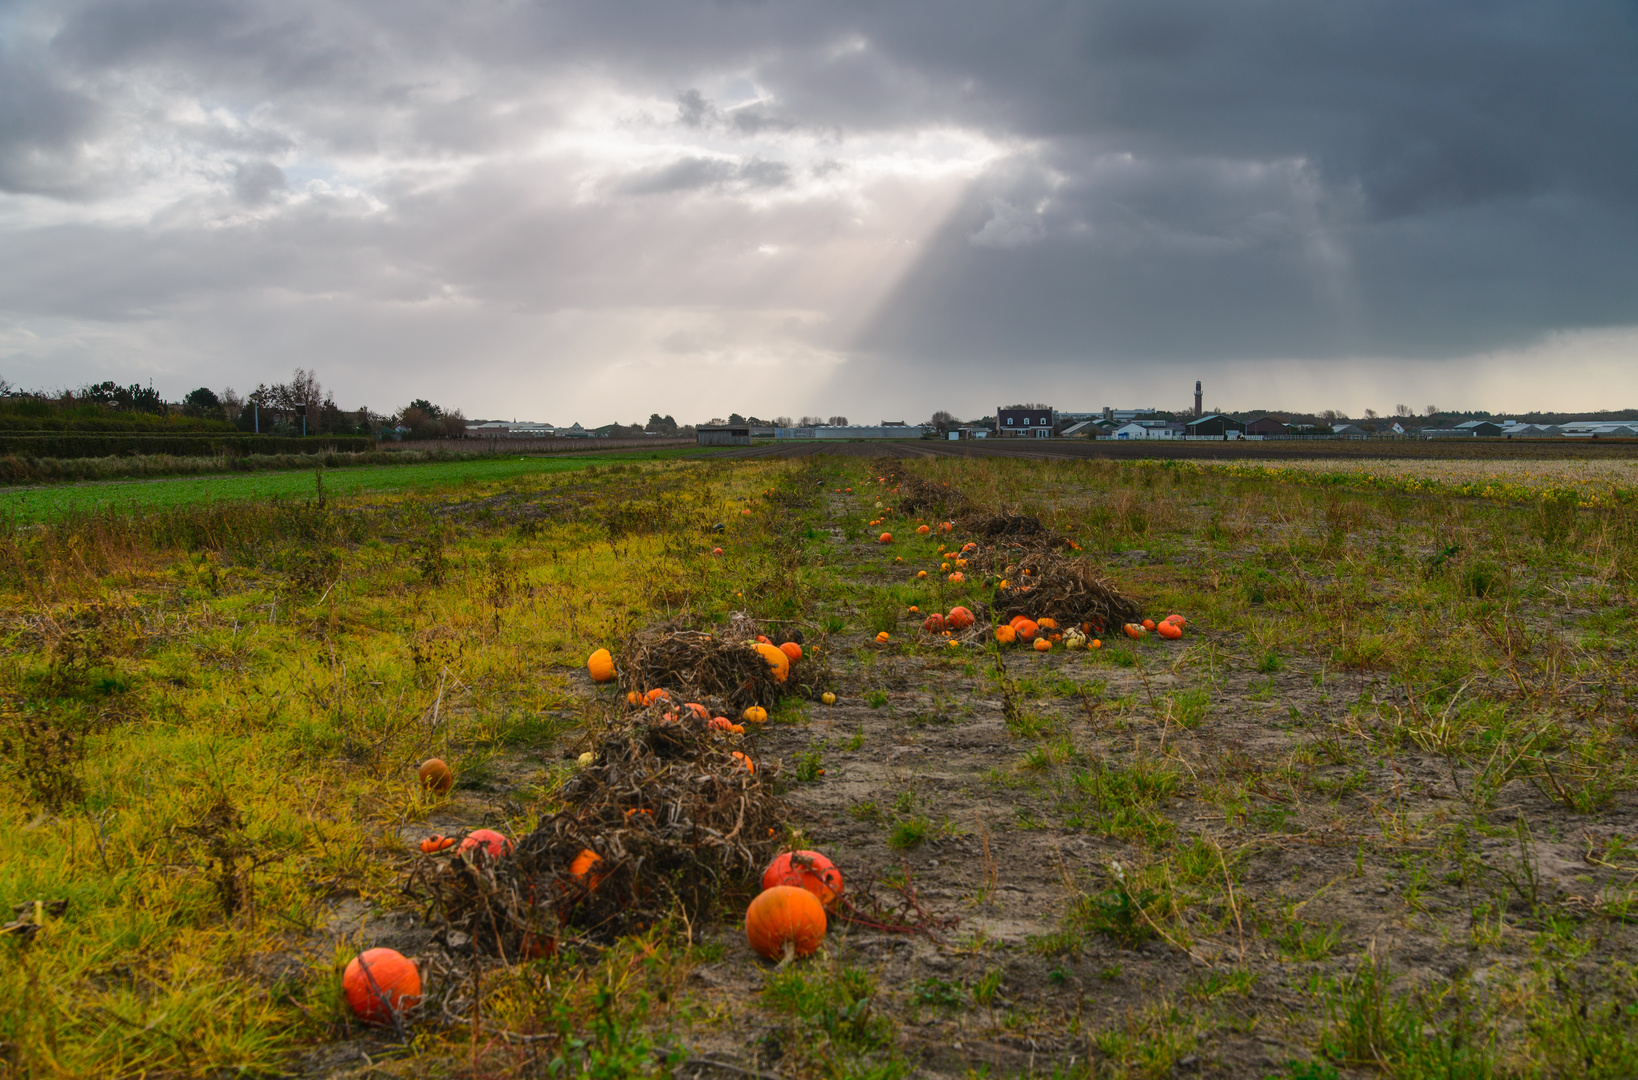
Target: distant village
{"type": "Point", "coordinates": [1042, 421]}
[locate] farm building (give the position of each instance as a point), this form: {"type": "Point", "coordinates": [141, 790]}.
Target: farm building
{"type": "Point", "coordinates": [1023, 423]}
{"type": "Point", "coordinates": [1216, 426]}
{"type": "Point", "coordinates": [724, 436]}
{"type": "Point", "coordinates": [1267, 426]}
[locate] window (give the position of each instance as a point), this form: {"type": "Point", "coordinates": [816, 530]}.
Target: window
{"type": "Point", "coordinates": [1009, 421]}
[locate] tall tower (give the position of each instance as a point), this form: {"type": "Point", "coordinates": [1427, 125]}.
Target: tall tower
{"type": "Point", "coordinates": [1197, 399]}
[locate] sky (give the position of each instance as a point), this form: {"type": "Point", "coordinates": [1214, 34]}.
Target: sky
{"type": "Point", "coordinates": [595, 211]}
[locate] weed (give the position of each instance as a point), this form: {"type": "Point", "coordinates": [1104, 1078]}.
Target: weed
{"type": "Point", "coordinates": [909, 832]}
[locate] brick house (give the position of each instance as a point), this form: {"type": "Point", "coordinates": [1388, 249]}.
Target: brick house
{"type": "Point", "coordinates": [1023, 423]}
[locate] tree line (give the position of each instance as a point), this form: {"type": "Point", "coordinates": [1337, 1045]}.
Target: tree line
{"type": "Point", "coordinates": [299, 406]}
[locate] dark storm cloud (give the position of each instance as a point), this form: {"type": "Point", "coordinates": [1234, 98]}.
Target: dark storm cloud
{"type": "Point", "coordinates": [1175, 179]}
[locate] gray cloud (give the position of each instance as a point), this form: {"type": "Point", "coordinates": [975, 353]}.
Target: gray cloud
{"type": "Point", "coordinates": [1166, 180]}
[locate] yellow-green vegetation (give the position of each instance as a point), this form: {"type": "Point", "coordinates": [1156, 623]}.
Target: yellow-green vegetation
{"type": "Point", "coordinates": [1369, 816]}
{"type": "Point", "coordinates": [210, 717]}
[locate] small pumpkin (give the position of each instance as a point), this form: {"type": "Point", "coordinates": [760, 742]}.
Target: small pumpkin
{"type": "Point", "coordinates": [1027, 629]}
{"type": "Point", "coordinates": [792, 651]}
{"type": "Point", "coordinates": [885, 538]}
{"type": "Point", "coordinates": [785, 922]}
{"type": "Point", "coordinates": [1134, 630]}
{"type": "Point", "coordinates": [1169, 630]}
{"type": "Point", "coordinates": [1094, 644]}
{"type": "Point", "coordinates": [921, 575]}
{"type": "Point", "coordinates": [944, 567]}
{"type": "Point", "coordinates": [933, 624]}
{"type": "Point", "coordinates": [434, 844]}
{"type": "Point", "coordinates": [806, 870]}
{"type": "Point", "coordinates": [633, 698]}
{"type": "Point", "coordinates": [1048, 623]}
{"type": "Point", "coordinates": [1178, 619]}
{"type": "Point", "coordinates": [1074, 639]}
{"type": "Point", "coordinates": [828, 698]}
{"type": "Point", "coordinates": [380, 984]}
{"type": "Point", "coordinates": [436, 777]}
{"type": "Point", "coordinates": [585, 759]}
{"type": "Point", "coordinates": [750, 766]}
{"type": "Point", "coordinates": [881, 638]}
{"type": "Point", "coordinates": [1043, 645]}
{"type": "Point", "coordinates": [656, 694]}
{"type": "Point", "coordinates": [580, 869]}
{"type": "Point", "coordinates": [1006, 635]}
{"type": "Point", "coordinates": [1148, 624]}
{"type": "Point", "coordinates": [698, 710]}
{"type": "Point", "coordinates": [923, 530]}
{"type": "Point", "coordinates": [756, 714]}
{"type": "Point", "coordinates": [957, 578]}
{"type": "Point", "coordinates": [717, 552]}
{"type": "Point", "coordinates": [601, 666]}
{"type": "Point", "coordinates": [488, 841]}
{"type": "Point", "coordinates": [959, 618]}
{"type": "Point", "coordinates": [777, 660]}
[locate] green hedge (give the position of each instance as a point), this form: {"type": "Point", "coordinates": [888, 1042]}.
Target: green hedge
{"type": "Point", "coordinates": [231, 444]}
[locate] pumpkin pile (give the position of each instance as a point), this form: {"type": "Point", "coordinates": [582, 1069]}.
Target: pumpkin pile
{"type": "Point", "coordinates": [728, 674]}
{"type": "Point", "coordinates": [671, 810]}
{"type": "Point", "coordinates": [1067, 589]}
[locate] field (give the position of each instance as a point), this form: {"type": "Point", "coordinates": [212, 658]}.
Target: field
{"type": "Point", "coordinates": [1372, 815]}
{"type": "Point", "coordinates": [36, 503]}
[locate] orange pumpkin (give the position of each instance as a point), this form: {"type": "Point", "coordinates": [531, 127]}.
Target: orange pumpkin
{"type": "Point", "coordinates": [1016, 619]}
{"type": "Point", "coordinates": [920, 574]}
{"type": "Point", "coordinates": [756, 714]}
{"type": "Point", "coordinates": [1047, 623]}
{"type": "Point", "coordinates": [656, 694]}
{"type": "Point", "coordinates": [698, 710]}
{"type": "Point", "coordinates": [957, 578]}
{"type": "Point", "coordinates": [959, 618]}
{"type": "Point", "coordinates": [633, 698]}
{"type": "Point", "coordinates": [717, 552]}
{"type": "Point", "coordinates": [967, 547]}
{"type": "Point", "coordinates": [1169, 630]}
{"type": "Point", "coordinates": [1178, 619]}
{"type": "Point", "coordinates": [886, 538]}
{"type": "Point", "coordinates": [777, 660]}
{"type": "Point", "coordinates": [785, 922]}
{"type": "Point", "coordinates": [881, 638]}
{"type": "Point", "coordinates": [1133, 630]}
{"type": "Point", "coordinates": [436, 777]}
{"type": "Point", "coordinates": [923, 530]}
{"type": "Point", "coordinates": [1006, 635]}
{"type": "Point", "coordinates": [1027, 629]}
{"type": "Point", "coordinates": [601, 666]}
{"type": "Point", "coordinates": [434, 844]}
{"type": "Point", "coordinates": [750, 766]}
{"type": "Point", "coordinates": [1094, 644]}
{"type": "Point", "coordinates": [580, 869]}
{"type": "Point", "coordinates": [1043, 645]}
{"type": "Point", "coordinates": [933, 624]}
{"type": "Point", "coordinates": [806, 870]}
{"type": "Point", "coordinates": [488, 841]}
{"type": "Point", "coordinates": [944, 567]}
{"type": "Point", "coordinates": [1148, 624]}
{"type": "Point", "coordinates": [380, 984]}
{"type": "Point", "coordinates": [792, 651]}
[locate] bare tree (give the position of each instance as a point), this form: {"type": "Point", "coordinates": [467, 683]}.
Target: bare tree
{"type": "Point", "coordinates": [1370, 414]}
{"type": "Point", "coordinates": [838, 421]}
{"type": "Point", "coordinates": [1431, 410]}
{"type": "Point", "coordinates": [1330, 416]}
{"type": "Point", "coordinates": [782, 421]}
{"type": "Point", "coordinates": [810, 421]}
{"type": "Point", "coordinates": [943, 420]}
{"type": "Point", "coordinates": [1402, 410]}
